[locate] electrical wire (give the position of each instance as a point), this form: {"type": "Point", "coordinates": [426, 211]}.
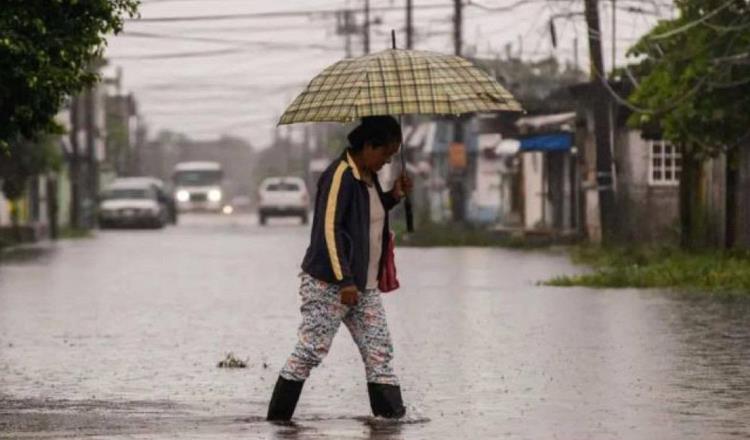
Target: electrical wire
{"type": "Point", "coordinates": [278, 14]}
{"type": "Point", "coordinates": [173, 55]}
{"type": "Point", "coordinates": [674, 104]}
{"type": "Point", "coordinates": [692, 24]}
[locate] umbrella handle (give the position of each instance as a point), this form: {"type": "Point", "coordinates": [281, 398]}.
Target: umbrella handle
{"type": "Point", "coordinates": [409, 215]}
{"type": "Point", "coordinates": [407, 200]}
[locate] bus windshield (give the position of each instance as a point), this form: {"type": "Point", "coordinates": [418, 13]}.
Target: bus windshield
{"type": "Point", "coordinates": [197, 177]}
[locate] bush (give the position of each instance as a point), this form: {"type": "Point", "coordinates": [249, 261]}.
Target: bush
{"type": "Point", "coordinates": [661, 267]}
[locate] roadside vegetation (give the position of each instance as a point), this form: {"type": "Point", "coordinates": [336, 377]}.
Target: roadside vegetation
{"type": "Point", "coordinates": [661, 267]}
{"type": "Point", "coordinates": [616, 266]}
{"type": "Point", "coordinates": [75, 233]}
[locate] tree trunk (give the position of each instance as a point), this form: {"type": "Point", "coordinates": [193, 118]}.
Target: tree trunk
{"type": "Point", "coordinates": [14, 220]}
{"type": "Point", "coordinates": [602, 126]}
{"type": "Point", "coordinates": [693, 221]}
{"type": "Point", "coordinates": [74, 166]}
{"type": "Point", "coordinates": [686, 181]}
{"type": "Point", "coordinates": [730, 234]}
{"type": "Point", "coordinates": [52, 207]}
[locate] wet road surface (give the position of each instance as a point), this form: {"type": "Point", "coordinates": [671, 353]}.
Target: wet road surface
{"type": "Point", "coordinates": [119, 337]}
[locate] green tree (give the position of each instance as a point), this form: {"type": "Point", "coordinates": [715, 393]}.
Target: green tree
{"type": "Point", "coordinates": [696, 87]}
{"type": "Point", "coordinates": [29, 158]}
{"type": "Point", "coordinates": [46, 50]}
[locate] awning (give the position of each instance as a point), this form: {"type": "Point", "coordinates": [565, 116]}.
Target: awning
{"type": "Point", "coordinates": [548, 122]}
{"type": "Point", "coordinates": [500, 146]}
{"type": "Point", "coordinates": [508, 147]}
{"type": "Point", "coordinates": [548, 142]}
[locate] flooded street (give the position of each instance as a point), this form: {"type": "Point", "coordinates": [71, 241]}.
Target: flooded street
{"type": "Point", "coordinates": [119, 336]}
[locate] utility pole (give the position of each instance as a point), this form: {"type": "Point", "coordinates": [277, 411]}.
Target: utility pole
{"type": "Point", "coordinates": [409, 25]}
{"type": "Point", "coordinates": [457, 186]}
{"type": "Point", "coordinates": [348, 45]}
{"type": "Point", "coordinates": [366, 28]}
{"type": "Point", "coordinates": [604, 178]}
{"type": "Point", "coordinates": [457, 26]}
{"type": "Point", "coordinates": [612, 103]}
{"type": "Point", "coordinates": [75, 165]}
{"type": "Point", "coordinates": [345, 26]}
{"type": "Point", "coordinates": [92, 171]}
{"type": "Point", "coordinates": [614, 34]}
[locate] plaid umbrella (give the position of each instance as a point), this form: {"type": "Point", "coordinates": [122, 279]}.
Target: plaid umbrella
{"type": "Point", "coordinates": [396, 82]}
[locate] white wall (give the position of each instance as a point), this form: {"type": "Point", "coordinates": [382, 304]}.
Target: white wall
{"type": "Point", "coordinates": [533, 188]}
{"type": "Point", "coordinates": [593, 221]}
{"type": "Point", "coordinates": [486, 194]}
{"type": "Point", "coordinates": [635, 160]}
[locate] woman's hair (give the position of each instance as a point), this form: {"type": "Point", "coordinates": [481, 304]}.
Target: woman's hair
{"type": "Point", "coordinates": [379, 131]}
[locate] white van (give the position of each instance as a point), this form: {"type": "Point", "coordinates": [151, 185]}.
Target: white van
{"type": "Point", "coordinates": [199, 186]}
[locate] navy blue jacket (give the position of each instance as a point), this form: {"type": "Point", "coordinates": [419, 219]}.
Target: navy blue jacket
{"type": "Point", "coordinates": [339, 250]}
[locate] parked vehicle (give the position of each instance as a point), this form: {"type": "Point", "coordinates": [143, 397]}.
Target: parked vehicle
{"type": "Point", "coordinates": [133, 203]}
{"type": "Point", "coordinates": [199, 186]}
{"type": "Point", "coordinates": [164, 195]}
{"type": "Point", "coordinates": [283, 197]}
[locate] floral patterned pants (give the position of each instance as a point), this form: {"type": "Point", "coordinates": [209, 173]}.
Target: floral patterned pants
{"type": "Point", "coordinates": [322, 313]}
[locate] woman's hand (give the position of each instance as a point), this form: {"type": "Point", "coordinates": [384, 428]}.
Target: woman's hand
{"type": "Point", "coordinates": [349, 295]}
{"type": "Point", "coordinates": [402, 186]}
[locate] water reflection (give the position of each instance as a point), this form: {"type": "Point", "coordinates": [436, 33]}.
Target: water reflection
{"type": "Point", "coordinates": [710, 361]}
{"type": "Point", "coordinates": [358, 427]}
{"type": "Point", "coordinates": [480, 349]}
{"type": "Point", "coordinates": [384, 430]}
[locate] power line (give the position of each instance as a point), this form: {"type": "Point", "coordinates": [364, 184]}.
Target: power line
{"type": "Point", "coordinates": [681, 99]}
{"type": "Point", "coordinates": [220, 52]}
{"type": "Point", "coordinates": [326, 12]}
{"type": "Point", "coordinates": [506, 8]}
{"type": "Point", "coordinates": [172, 86]}
{"type": "Point", "coordinates": [227, 29]}
{"type": "Point", "coordinates": [172, 55]}
{"type": "Point", "coordinates": [265, 44]}
{"type": "Point", "coordinates": [691, 24]}
{"type": "Point", "coordinates": [276, 14]}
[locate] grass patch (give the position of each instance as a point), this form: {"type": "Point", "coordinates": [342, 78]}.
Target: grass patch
{"type": "Point", "coordinates": [75, 233]}
{"type": "Point", "coordinates": [660, 267]}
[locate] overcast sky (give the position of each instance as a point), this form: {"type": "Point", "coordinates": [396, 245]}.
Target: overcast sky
{"type": "Point", "coordinates": [232, 66]}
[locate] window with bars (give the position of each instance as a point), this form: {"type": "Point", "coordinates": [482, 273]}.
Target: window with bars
{"type": "Point", "coordinates": [665, 163]}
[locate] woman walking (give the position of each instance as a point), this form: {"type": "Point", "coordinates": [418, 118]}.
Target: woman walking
{"type": "Point", "coordinates": [341, 269]}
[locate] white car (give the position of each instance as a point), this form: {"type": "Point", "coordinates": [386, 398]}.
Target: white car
{"type": "Point", "coordinates": [283, 197]}
{"type": "Point", "coordinates": [131, 202]}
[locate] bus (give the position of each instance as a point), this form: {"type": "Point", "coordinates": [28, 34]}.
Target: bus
{"type": "Point", "coordinates": [199, 186]}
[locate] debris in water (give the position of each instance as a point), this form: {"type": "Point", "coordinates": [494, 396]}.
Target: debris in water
{"type": "Point", "coordinates": [232, 362]}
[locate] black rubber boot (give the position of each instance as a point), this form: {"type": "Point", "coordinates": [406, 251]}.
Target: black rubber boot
{"type": "Point", "coordinates": [385, 400]}
{"type": "Point", "coordinates": [284, 400]}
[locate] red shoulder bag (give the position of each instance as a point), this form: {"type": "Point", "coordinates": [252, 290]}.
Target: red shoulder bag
{"type": "Point", "coordinates": [388, 281]}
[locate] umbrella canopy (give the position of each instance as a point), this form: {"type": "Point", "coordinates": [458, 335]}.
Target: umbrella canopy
{"type": "Point", "coordinates": [396, 82]}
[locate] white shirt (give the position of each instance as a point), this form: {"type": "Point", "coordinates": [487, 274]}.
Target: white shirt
{"type": "Point", "coordinates": [377, 220]}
